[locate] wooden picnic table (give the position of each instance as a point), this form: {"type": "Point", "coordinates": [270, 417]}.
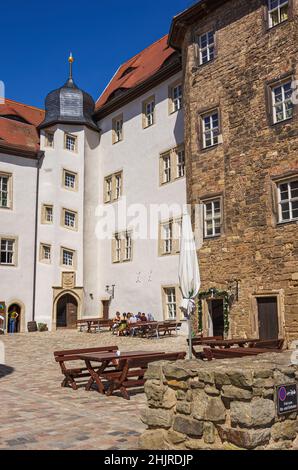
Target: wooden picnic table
{"type": "Point", "coordinates": [93, 322]}
{"type": "Point", "coordinates": [106, 359]}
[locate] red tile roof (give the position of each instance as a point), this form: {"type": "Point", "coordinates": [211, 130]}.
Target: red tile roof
{"type": "Point", "coordinates": [18, 126]}
{"type": "Point", "coordinates": [138, 69]}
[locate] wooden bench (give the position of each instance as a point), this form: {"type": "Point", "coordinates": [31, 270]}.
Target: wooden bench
{"type": "Point", "coordinates": [268, 344]}
{"type": "Point", "coordinates": [73, 373]}
{"type": "Point", "coordinates": [133, 370]}
{"type": "Point", "coordinates": [163, 329]}
{"type": "Point", "coordinates": [211, 353]}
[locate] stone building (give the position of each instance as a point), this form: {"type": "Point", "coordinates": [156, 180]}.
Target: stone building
{"type": "Point", "coordinates": [241, 139]}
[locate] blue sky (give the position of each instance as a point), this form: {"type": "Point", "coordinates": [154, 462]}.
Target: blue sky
{"type": "Point", "coordinates": [36, 38]}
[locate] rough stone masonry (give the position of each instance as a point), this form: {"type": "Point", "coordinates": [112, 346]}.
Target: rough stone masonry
{"type": "Point", "coordinates": [253, 156]}
{"type": "Point", "coordinates": [219, 405]}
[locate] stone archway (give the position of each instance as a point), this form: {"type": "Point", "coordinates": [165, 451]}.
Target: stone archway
{"type": "Point", "coordinates": [14, 312]}
{"type": "Point", "coordinates": [67, 311]}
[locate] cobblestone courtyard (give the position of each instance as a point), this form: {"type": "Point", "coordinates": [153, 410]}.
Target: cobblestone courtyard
{"type": "Point", "coordinates": [36, 413]}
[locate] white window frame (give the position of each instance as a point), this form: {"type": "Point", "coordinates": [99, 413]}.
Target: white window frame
{"type": "Point", "coordinates": [167, 168]}
{"type": "Point", "coordinates": [65, 251]}
{"type": "Point", "coordinates": [45, 213]}
{"type": "Point", "coordinates": [167, 238]}
{"type": "Point", "coordinates": [118, 129]}
{"type": "Point", "coordinates": [278, 8]}
{"type": "Point", "coordinates": [43, 257]}
{"type": "Point", "coordinates": [177, 97]}
{"type": "Point", "coordinates": [8, 191]}
{"type": "Point", "coordinates": [288, 201]}
{"type": "Point", "coordinates": [109, 189]}
{"type": "Point", "coordinates": [213, 131]}
{"type": "Point", "coordinates": [49, 139]}
{"type": "Point", "coordinates": [213, 217]}
{"type": "Point", "coordinates": [11, 251]}
{"type": "Point", "coordinates": [127, 246]}
{"type": "Point", "coordinates": [149, 112]}
{"type": "Point", "coordinates": [180, 156]}
{"type": "Point", "coordinates": [118, 186]}
{"type": "Point", "coordinates": [66, 175]}
{"type": "Point", "coordinates": [284, 102]}
{"type": "Point", "coordinates": [170, 302]}
{"type": "Point", "coordinates": [209, 47]}
{"type": "Point", "coordinates": [70, 219]}
{"type": "Point", "coordinates": [71, 142]}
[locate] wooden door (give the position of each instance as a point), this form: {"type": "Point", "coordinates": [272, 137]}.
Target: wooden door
{"type": "Point", "coordinates": [268, 318]}
{"type": "Point", "coordinates": [106, 308]}
{"type": "Point", "coordinates": [71, 312]}
{"type": "Point", "coordinates": [217, 315]}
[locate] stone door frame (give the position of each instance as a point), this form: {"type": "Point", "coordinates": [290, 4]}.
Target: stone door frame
{"type": "Point", "coordinates": [254, 320]}
{"type": "Point", "coordinates": [22, 314]}
{"type": "Point", "coordinates": [58, 292]}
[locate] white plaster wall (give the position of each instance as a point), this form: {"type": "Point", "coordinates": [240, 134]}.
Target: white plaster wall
{"type": "Point", "coordinates": [138, 156]}
{"type": "Point", "coordinates": [16, 283]}
{"type": "Point", "coordinates": [51, 191]}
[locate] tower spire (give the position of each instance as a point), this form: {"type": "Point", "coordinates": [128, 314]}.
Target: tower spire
{"type": "Point", "coordinates": [71, 61]}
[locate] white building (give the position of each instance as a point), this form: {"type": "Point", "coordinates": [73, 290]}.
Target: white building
{"type": "Point", "coordinates": [125, 155]}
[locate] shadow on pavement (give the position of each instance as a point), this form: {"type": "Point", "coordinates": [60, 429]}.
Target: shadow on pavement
{"type": "Point", "coordinates": [5, 370]}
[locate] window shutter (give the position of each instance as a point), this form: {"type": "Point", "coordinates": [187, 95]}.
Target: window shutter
{"type": "Point", "coordinates": [161, 170]}
{"type": "Point", "coordinates": [170, 101]}
{"type": "Point", "coordinates": [173, 160]}
{"type": "Point", "coordinates": [269, 104]}
{"type": "Point", "coordinates": [160, 239]}
{"type": "Point", "coordinates": [114, 249]}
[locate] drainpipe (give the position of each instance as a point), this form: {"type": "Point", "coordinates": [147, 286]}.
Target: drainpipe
{"type": "Point", "coordinates": [40, 156]}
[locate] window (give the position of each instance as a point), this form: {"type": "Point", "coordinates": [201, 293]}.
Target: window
{"type": "Point", "coordinates": [166, 168]}
{"type": "Point", "coordinates": [170, 236]}
{"type": "Point", "coordinates": [180, 163]}
{"type": "Point", "coordinates": [148, 112]}
{"type": "Point", "coordinates": [206, 47]}
{"type": "Point", "coordinates": [69, 219]}
{"type": "Point", "coordinates": [176, 94]}
{"type": "Point", "coordinates": [47, 214]}
{"type": "Point", "coordinates": [210, 129]}
{"type": "Point", "coordinates": [70, 180]}
{"type": "Point", "coordinates": [5, 191]}
{"type": "Point", "coordinates": [117, 129]}
{"type": "Point", "coordinates": [49, 139]}
{"type": "Point", "coordinates": [282, 102]}
{"type": "Point", "coordinates": [113, 187]}
{"type": "Point", "coordinates": [170, 303]}
{"type": "Point", "coordinates": [278, 11]}
{"type": "Point", "coordinates": [118, 189]}
{"type": "Point", "coordinates": [68, 257]}
{"type": "Point", "coordinates": [128, 247]}
{"type": "Point", "coordinates": [122, 247]}
{"type": "Point", "coordinates": [288, 201]}
{"type": "Point", "coordinates": [45, 253]}
{"type": "Point", "coordinates": [172, 165]}
{"type": "Point", "coordinates": [71, 142]}
{"type": "Point", "coordinates": [212, 218]}
{"type": "Point", "coordinates": [8, 255]}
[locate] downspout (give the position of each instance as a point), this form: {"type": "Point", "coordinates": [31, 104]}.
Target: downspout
{"type": "Point", "coordinates": [40, 156]}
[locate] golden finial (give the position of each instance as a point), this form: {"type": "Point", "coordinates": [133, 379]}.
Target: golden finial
{"type": "Point", "coordinates": [71, 61]}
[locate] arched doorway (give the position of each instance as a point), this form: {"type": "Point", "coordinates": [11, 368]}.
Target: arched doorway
{"type": "Point", "coordinates": [14, 318]}
{"type": "Point", "coordinates": [67, 312]}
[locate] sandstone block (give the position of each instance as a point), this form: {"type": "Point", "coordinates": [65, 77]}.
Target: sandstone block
{"type": "Point", "coordinates": [245, 439]}
{"type": "Point", "coordinates": [229, 391]}
{"type": "Point", "coordinates": [188, 426]}
{"type": "Point", "coordinates": [153, 440]}
{"type": "Point", "coordinates": [286, 430]}
{"type": "Point", "coordinates": [157, 418]}
{"type": "Point", "coordinates": [259, 412]}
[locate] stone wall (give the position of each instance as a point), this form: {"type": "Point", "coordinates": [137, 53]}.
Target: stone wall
{"type": "Point", "coordinates": [253, 247]}
{"type": "Point", "coordinates": [222, 405]}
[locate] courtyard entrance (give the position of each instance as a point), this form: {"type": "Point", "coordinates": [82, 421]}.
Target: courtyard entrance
{"type": "Point", "coordinates": [14, 318]}
{"type": "Point", "coordinates": [67, 312]}
{"type": "Point", "coordinates": [216, 317]}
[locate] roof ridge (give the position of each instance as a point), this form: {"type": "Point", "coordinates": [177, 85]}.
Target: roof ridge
{"type": "Point", "coordinates": [23, 104]}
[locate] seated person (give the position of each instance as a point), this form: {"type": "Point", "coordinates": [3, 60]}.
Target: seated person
{"type": "Point", "coordinates": [116, 321]}
{"type": "Point", "coordinates": [150, 317]}
{"type": "Point", "coordinates": [143, 317]}
{"type": "Point", "coordinates": [123, 325]}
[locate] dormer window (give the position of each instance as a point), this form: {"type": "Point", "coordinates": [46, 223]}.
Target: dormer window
{"type": "Point", "coordinates": [70, 142]}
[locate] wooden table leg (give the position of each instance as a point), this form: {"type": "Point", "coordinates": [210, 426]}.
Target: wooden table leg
{"type": "Point", "coordinates": [95, 377]}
